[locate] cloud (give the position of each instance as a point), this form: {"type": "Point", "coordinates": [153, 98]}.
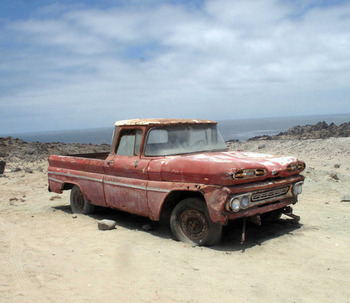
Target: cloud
{"type": "Point", "coordinates": [81, 66]}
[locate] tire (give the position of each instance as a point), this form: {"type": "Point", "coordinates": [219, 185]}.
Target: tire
{"type": "Point", "coordinates": [272, 216]}
{"type": "Point", "coordinates": [78, 203]}
{"type": "Point", "coordinates": [190, 223]}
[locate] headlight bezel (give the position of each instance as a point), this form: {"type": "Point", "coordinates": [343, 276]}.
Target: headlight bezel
{"type": "Point", "coordinates": [236, 202]}
{"type": "Point", "coordinates": [297, 188]}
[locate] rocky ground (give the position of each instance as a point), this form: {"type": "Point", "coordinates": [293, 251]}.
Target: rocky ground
{"type": "Point", "coordinates": [47, 254]}
{"type": "Point", "coordinates": [321, 130]}
{"type": "Point", "coordinates": [12, 149]}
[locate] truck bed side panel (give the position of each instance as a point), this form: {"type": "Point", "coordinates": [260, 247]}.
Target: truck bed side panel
{"type": "Point", "coordinates": [85, 173]}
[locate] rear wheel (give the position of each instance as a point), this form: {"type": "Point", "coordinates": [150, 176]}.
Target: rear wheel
{"type": "Point", "coordinates": [78, 203]}
{"type": "Point", "coordinates": [190, 222]}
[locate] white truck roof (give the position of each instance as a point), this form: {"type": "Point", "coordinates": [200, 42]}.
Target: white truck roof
{"type": "Point", "coordinates": [147, 122]}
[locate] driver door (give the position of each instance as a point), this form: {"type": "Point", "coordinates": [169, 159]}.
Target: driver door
{"type": "Point", "coordinates": [125, 180]}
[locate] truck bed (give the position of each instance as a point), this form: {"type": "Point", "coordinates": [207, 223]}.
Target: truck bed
{"type": "Point", "coordinates": [78, 163]}
{"type": "Point", "coordinates": [101, 155]}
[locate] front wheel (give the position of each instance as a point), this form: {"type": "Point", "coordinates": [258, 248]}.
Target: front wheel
{"type": "Point", "coordinates": [78, 203]}
{"type": "Point", "coordinates": [190, 222]}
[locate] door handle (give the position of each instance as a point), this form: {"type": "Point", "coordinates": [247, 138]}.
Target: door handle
{"type": "Point", "coordinates": [110, 162]}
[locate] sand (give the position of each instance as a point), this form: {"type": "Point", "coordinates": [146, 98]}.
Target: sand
{"type": "Point", "coordinates": [49, 255]}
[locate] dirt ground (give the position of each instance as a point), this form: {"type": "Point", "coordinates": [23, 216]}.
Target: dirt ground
{"type": "Point", "coordinates": [49, 255]}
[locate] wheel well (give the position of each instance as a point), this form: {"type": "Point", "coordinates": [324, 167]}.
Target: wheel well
{"type": "Point", "coordinates": [67, 186]}
{"type": "Point", "coordinates": [172, 200]}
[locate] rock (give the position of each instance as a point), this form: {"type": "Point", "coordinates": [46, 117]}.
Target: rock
{"type": "Point", "coordinates": [28, 170]}
{"type": "Point", "coordinates": [262, 146]}
{"type": "Point", "coordinates": [336, 165]}
{"type": "Point", "coordinates": [346, 198]}
{"type": "Point", "coordinates": [320, 130]}
{"type": "Point", "coordinates": [55, 197]}
{"type": "Point", "coordinates": [261, 138]}
{"type": "Point", "coordinates": [2, 166]}
{"type": "Point", "coordinates": [106, 224]}
{"type": "Point", "coordinates": [147, 227]}
{"type": "Point", "coordinates": [3, 154]}
{"type": "Point", "coordinates": [334, 176]}
{"type": "Point", "coordinates": [15, 149]}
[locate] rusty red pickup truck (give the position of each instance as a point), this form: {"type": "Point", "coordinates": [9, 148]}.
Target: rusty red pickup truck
{"type": "Point", "coordinates": [182, 170]}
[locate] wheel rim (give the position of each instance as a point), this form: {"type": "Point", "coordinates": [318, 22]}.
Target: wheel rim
{"type": "Point", "coordinates": [194, 224]}
{"type": "Point", "coordinates": [79, 200]}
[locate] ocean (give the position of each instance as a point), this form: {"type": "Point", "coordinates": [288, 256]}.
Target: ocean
{"type": "Point", "coordinates": [241, 129]}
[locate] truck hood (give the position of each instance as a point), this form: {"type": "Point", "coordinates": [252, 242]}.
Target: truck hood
{"type": "Point", "coordinates": [225, 168]}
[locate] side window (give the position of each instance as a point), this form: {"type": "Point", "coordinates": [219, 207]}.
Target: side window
{"type": "Point", "coordinates": [129, 143]}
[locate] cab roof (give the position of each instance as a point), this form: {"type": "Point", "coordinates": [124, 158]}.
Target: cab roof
{"type": "Point", "coordinates": [147, 122]}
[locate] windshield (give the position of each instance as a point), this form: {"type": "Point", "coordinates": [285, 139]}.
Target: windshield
{"type": "Point", "coordinates": [183, 139]}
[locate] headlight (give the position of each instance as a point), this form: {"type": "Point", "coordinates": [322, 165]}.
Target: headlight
{"type": "Point", "coordinates": [235, 204]}
{"type": "Point", "coordinates": [238, 202]}
{"type": "Point", "coordinates": [245, 202]}
{"type": "Point", "coordinates": [297, 188]}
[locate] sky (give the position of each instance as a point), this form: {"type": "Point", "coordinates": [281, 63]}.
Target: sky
{"type": "Point", "coordinates": [86, 64]}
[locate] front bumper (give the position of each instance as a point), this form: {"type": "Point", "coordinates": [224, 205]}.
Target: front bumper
{"type": "Point", "coordinates": [260, 209]}
{"type": "Point", "coordinates": [264, 196]}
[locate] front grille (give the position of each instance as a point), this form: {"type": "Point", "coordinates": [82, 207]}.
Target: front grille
{"type": "Point", "coordinates": [269, 194]}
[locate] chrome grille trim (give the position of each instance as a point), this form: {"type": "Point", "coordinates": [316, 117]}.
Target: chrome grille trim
{"type": "Point", "coordinates": [260, 196]}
